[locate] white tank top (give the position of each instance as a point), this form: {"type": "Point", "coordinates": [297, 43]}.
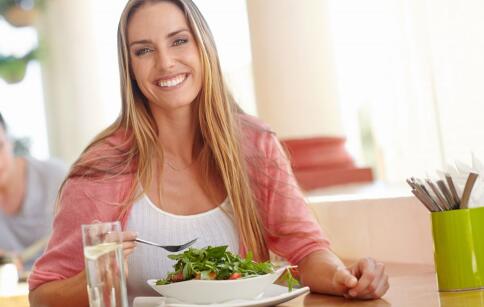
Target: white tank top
{"type": "Point", "coordinates": [214, 227]}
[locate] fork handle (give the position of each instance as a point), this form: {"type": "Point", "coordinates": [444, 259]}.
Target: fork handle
{"type": "Point", "coordinates": [146, 242]}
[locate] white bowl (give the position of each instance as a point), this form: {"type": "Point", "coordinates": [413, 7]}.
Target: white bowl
{"type": "Point", "coordinates": [216, 291]}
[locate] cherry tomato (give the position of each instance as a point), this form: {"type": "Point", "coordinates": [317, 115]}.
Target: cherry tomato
{"type": "Point", "coordinates": [235, 276]}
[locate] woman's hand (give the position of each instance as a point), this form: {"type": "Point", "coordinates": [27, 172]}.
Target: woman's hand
{"type": "Point", "coordinates": [366, 279]}
{"type": "Point", "coordinates": [325, 273]}
{"type": "Point", "coordinates": [128, 247]}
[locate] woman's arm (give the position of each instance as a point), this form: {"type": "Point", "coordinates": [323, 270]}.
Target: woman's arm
{"type": "Point", "coordinates": [324, 272]}
{"type": "Point", "coordinates": [318, 271]}
{"type": "Point", "coordinates": [57, 293]}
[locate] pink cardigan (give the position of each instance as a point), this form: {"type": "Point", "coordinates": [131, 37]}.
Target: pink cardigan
{"type": "Point", "coordinates": [281, 204]}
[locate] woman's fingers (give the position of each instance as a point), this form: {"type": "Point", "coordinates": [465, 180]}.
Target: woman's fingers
{"type": "Point", "coordinates": [378, 282]}
{"type": "Point", "coordinates": [365, 270]}
{"type": "Point", "coordinates": [128, 242]}
{"type": "Point", "coordinates": [343, 279]}
{"type": "Point", "coordinates": [381, 289]}
{"type": "Point", "coordinates": [128, 247]}
{"type": "Point", "coordinates": [372, 282]}
{"type": "Point", "coordinates": [129, 235]}
{"type": "Point", "coordinates": [370, 273]}
{"type": "Point", "coordinates": [127, 251]}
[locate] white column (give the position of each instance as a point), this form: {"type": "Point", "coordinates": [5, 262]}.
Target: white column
{"type": "Point", "coordinates": [74, 109]}
{"type": "Point", "coordinates": [293, 68]}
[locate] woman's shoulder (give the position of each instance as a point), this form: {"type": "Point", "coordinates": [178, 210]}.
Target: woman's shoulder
{"type": "Point", "coordinates": [109, 190]}
{"type": "Point", "coordinates": [257, 137]}
{"type": "Point", "coordinates": [108, 152]}
{"type": "Point", "coordinates": [251, 122]}
{"type": "Point", "coordinates": [102, 198]}
{"type": "Point", "coordinates": [118, 141]}
{"type": "Point", "coordinates": [105, 168]}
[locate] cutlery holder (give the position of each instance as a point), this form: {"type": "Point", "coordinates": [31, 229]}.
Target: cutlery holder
{"type": "Point", "coordinates": [459, 248]}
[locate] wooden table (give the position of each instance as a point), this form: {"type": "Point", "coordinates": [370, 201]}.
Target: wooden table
{"type": "Point", "coordinates": [14, 301]}
{"type": "Point", "coordinates": [20, 299]}
{"type": "Point", "coordinates": [410, 285]}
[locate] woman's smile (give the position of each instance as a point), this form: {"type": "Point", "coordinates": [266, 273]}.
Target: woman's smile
{"type": "Point", "coordinates": [172, 82]}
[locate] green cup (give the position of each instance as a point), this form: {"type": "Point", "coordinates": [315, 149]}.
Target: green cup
{"type": "Point", "coordinates": [459, 248]}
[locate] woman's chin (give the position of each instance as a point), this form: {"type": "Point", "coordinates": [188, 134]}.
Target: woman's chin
{"type": "Point", "coordinates": [174, 106]}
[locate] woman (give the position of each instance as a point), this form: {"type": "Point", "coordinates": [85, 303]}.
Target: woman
{"type": "Point", "coordinates": [182, 161]}
{"type": "Point", "coordinates": [28, 189]}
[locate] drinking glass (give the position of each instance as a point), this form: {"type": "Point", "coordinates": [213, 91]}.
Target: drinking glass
{"type": "Point", "coordinates": [103, 257]}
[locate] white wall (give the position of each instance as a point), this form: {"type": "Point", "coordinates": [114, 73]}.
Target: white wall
{"type": "Point", "coordinates": [414, 70]}
{"type": "Point", "coordinates": [456, 43]}
{"type": "Point", "coordinates": [389, 229]}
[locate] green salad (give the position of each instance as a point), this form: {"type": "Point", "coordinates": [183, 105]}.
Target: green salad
{"type": "Point", "coordinates": [217, 263]}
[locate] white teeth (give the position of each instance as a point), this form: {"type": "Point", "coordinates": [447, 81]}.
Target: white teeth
{"type": "Point", "coordinates": [173, 82]}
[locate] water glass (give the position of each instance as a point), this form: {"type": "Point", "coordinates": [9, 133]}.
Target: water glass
{"type": "Point", "coordinates": [103, 257]}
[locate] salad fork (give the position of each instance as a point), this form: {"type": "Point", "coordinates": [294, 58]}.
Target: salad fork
{"type": "Point", "coordinates": [170, 248]}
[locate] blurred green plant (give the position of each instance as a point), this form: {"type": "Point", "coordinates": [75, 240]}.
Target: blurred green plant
{"type": "Point", "coordinates": [5, 5]}
{"type": "Point", "coordinates": [18, 13]}
{"type": "Point", "coordinates": [12, 69]}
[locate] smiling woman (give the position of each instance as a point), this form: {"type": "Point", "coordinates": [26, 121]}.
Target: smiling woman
{"type": "Point", "coordinates": [228, 181]}
{"type": "Point", "coordinates": [164, 57]}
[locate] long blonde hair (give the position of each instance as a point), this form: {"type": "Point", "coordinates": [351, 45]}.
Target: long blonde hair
{"type": "Point", "coordinates": [219, 133]}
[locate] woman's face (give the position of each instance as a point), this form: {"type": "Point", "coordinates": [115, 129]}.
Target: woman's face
{"type": "Point", "coordinates": [6, 157]}
{"type": "Point", "coordinates": [164, 56]}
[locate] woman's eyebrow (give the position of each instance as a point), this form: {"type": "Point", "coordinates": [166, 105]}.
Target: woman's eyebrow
{"type": "Point", "coordinates": [142, 41]}
{"type": "Point", "coordinates": [147, 41]}
{"type": "Point", "coordinates": [176, 32]}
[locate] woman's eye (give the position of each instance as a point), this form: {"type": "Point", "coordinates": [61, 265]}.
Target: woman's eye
{"type": "Point", "coordinates": [180, 41]}
{"type": "Point", "coordinates": [142, 51]}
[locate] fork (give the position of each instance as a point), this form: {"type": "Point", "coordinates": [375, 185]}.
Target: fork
{"type": "Point", "coordinates": [170, 248]}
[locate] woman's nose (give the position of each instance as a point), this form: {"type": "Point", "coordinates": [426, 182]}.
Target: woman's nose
{"type": "Point", "coordinates": [165, 60]}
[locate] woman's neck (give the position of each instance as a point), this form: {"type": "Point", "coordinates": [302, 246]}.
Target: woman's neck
{"type": "Point", "coordinates": [177, 134]}
{"type": "Point", "coordinates": [13, 192]}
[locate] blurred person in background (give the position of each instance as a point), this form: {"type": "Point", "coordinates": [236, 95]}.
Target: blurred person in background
{"type": "Point", "coordinates": [28, 191]}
